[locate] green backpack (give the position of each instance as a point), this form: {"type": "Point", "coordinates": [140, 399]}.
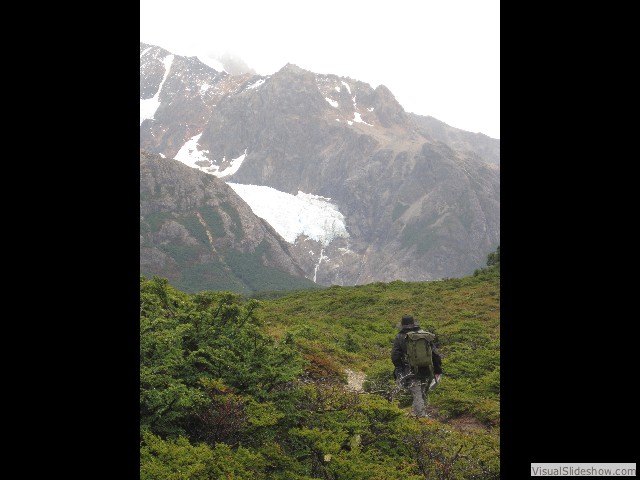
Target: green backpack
{"type": "Point", "coordinates": [419, 354]}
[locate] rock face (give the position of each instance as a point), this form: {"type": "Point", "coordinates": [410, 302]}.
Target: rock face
{"type": "Point", "coordinates": [478, 143]}
{"type": "Point", "coordinates": [421, 199]}
{"type": "Point", "coordinates": [197, 232]}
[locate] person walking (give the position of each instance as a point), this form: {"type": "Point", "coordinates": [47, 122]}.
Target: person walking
{"type": "Point", "coordinates": [405, 376]}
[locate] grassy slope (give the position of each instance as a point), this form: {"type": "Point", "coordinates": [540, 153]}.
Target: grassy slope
{"type": "Point", "coordinates": [299, 432]}
{"type": "Point", "coordinates": [354, 327]}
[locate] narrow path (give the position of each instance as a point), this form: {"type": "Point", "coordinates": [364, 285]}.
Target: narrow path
{"type": "Point", "coordinates": [463, 423]}
{"type": "Point", "coordinates": [354, 380]}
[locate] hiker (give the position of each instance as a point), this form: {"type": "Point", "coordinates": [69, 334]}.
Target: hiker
{"type": "Point", "coordinates": [405, 376]}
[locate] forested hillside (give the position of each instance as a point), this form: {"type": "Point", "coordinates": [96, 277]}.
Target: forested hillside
{"type": "Point", "coordinates": [232, 387]}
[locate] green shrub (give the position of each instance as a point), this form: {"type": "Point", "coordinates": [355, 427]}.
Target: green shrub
{"type": "Point", "coordinates": [178, 459]}
{"type": "Point", "coordinates": [237, 388]}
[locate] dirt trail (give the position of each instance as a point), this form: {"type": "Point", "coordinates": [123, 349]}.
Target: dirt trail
{"type": "Point", "coordinates": [354, 380]}
{"type": "Point", "coordinates": [463, 423]}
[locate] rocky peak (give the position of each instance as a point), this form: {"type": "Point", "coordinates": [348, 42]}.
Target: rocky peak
{"type": "Point", "coordinates": [389, 111]}
{"type": "Point", "coordinates": [293, 69]}
{"type": "Point", "coordinates": [292, 89]}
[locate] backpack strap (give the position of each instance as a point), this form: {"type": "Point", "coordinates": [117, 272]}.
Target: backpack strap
{"type": "Point", "coordinates": [405, 357]}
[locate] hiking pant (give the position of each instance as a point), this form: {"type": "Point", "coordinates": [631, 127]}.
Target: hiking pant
{"type": "Point", "coordinates": [420, 396]}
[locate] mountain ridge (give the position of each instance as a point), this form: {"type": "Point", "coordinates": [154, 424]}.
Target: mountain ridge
{"type": "Point", "coordinates": [197, 232]}
{"type": "Point", "coordinates": [420, 198]}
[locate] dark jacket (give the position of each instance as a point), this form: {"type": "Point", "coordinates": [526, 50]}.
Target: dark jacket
{"type": "Point", "coordinates": [399, 351]}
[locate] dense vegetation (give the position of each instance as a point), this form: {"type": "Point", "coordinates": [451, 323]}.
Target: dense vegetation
{"type": "Point", "coordinates": [232, 387]}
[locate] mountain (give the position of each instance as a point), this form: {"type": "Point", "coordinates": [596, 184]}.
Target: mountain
{"type": "Point", "coordinates": [420, 199]}
{"type": "Point", "coordinates": [478, 143]}
{"type": "Point", "coordinates": [200, 235]}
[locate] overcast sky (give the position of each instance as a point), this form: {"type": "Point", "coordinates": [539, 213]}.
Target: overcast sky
{"type": "Point", "coordinates": [438, 57]}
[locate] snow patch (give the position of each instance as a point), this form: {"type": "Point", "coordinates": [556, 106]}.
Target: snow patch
{"type": "Point", "coordinates": [255, 84]}
{"type": "Point", "coordinates": [189, 153]}
{"type": "Point", "coordinates": [347, 86]}
{"type": "Point", "coordinates": [337, 89]}
{"type": "Point", "coordinates": [233, 168]}
{"type": "Point", "coordinates": [358, 118]}
{"type": "Point", "coordinates": [145, 51]}
{"type": "Point", "coordinates": [149, 106]}
{"type": "Point", "coordinates": [303, 214]}
{"type": "Point", "coordinates": [333, 103]}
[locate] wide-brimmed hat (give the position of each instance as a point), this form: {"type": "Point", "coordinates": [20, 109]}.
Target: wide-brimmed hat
{"type": "Point", "coordinates": [407, 322]}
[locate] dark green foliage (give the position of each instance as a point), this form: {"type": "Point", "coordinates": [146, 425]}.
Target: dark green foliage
{"type": "Point", "coordinates": [444, 453]}
{"type": "Point", "coordinates": [179, 459]}
{"type": "Point", "coordinates": [427, 234]}
{"type": "Point", "coordinates": [494, 258]}
{"type": "Point", "coordinates": [274, 294]}
{"type": "Point", "coordinates": [213, 220]}
{"type": "Point", "coordinates": [152, 221]}
{"type": "Point", "coordinates": [380, 380]}
{"type": "Point", "coordinates": [236, 224]}
{"type": "Point", "coordinates": [187, 342]}
{"type": "Point", "coordinates": [229, 269]}
{"type": "Point", "coordinates": [195, 228]}
{"type": "Point", "coordinates": [212, 274]}
{"type": "Point", "coordinates": [493, 263]}
{"type": "Point", "coordinates": [184, 255]}
{"type": "Point", "coordinates": [232, 387]}
{"type": "Point", "coordinates": [350, 343]}
{"type": "Point", "coordinates": [421, 235]}
{"type": "Point", "coordinates": [248, 268]}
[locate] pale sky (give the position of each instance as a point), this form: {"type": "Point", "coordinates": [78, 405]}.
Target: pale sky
{"type": "Point", "coordinates": [438, 57]}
